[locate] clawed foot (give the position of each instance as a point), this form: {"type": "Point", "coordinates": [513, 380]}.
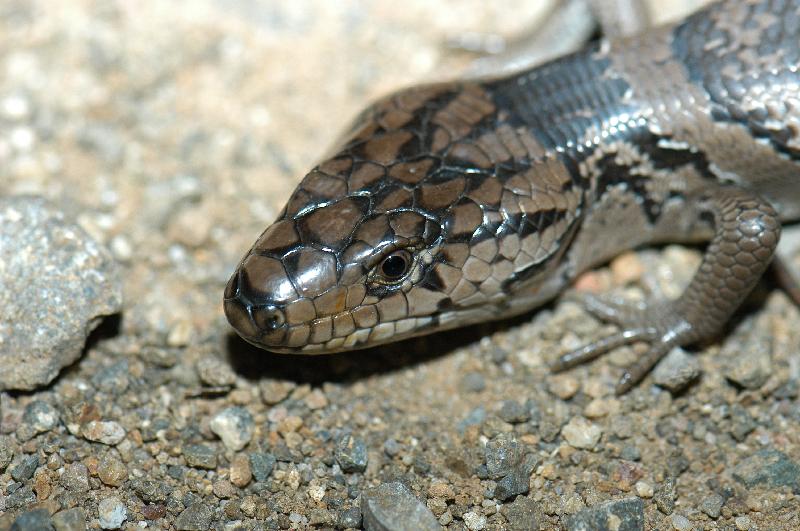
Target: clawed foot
{"type": "Point", "coordinates": [657, 323]}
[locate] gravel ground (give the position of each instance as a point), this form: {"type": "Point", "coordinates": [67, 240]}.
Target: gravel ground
{"type": "Point", "coordinates": [172, 133]}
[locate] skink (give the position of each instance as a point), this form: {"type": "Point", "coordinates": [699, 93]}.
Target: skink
{"type": "Point", "coordinates": [462, 202]}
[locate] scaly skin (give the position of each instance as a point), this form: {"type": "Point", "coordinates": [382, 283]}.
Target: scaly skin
{"type": "Point", "coordinates": [462, 202]}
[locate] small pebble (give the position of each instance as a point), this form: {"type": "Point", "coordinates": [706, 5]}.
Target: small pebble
{"type": "Point", "coordinates": [351, 453]}
{"type": "Point", "coordinates": [392, 506]}
{"type": "Point", "coordinates": [665, 496]}
{"type": "Point", "coordinates": [601, 407]}
{"type": "Point", "coordinates": [522, 514]}
{"type": "Point", "coordinates": [275, 391]}
{"type": "Point", "coordinates": [391, 447]}
{"type": "Point", "coordinates": [6, 454]}
{"type": "Point", "coordinates": [626, 514]}
{"type": "Point", "coordinates": [676, 370]}
{"type": "Point", "coordinates": [474, 521]}
{"type": "Point", "coordinates": [215, 372]}
{"type": "Point", "coordinates": [712, 505]}
{"type": "Point", "coordinates": [626, 268]}
{"type": "Point", "coordinates": [316, 492]}
{"type": "Point", "coordinates": [630, 453]}
{"type": "Point", "coordinates": [75, 478]}
{"type": "Point", "coordinates": [261, 465]}
{"type": "Point", "coordinates": [768, 467]}
{"type": "Point", "coordinates": [112, 513]}
{"type": "Point", "coordinates": [241, 473]}
{"type": "Point", "coordinates": [515, 483]}
{"type": "Point", "coordinates": [350, 518]}
{"type": "Point", "coordinates": [35, 520]}
{"type": "Point", "coordinates": [513, 412]}
{"type": "Point", "coordinates": [200, 456]}
{"type": "Point", "coordinates": [502, 454]}
{"type": "Point", "coordinates": [40, 416]}
{"type": "Point", "coordinates": [644, 489]}
{"type": "Point", "coordinates": [112, 471]}
{"type": "Point", "coordinates": [680, 522]}
{"type": "Point", "coordinates": [106, 432]}
{"type": "Point", "coordinates": [223, 489]}
{"type": "Point", "coordinates": [743, 523]}
{"type": "Point", "coordinates": [113, 379]}
{"type": "Point", "coordinates": [25, 467]}
{"type": "Point", "coordinates": [750, 364]}
{"type": "Point", "coordinates": [196, 517]}
{"type": "Point", "coordinates": [581, 433]}
{"type": "Point", "coordinates": [564, 386]}
{"type": "Point", "coordinates": [316, 399]}
{"type": "Point", "coordinates": [235, 426]}
{"type": "Point", "coordinates": [70, 520]}
{"type": "Point", "coordinates": [473, 382]}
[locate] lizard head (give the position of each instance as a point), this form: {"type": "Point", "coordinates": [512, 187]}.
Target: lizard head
{"type": "Point", "coordinates": [410, 227]}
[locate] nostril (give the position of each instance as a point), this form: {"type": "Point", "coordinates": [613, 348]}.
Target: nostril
{"type": "Point", "coordinates": [232, 288]}
{"type": "Point", "coordinates": [268, 318]}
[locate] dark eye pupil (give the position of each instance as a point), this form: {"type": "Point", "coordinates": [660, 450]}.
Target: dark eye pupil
{"type": "Point", "coordinates": [394, 266]}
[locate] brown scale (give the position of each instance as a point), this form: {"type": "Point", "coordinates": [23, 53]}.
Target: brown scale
{"type": "Point", "coordinates": [454, 203]}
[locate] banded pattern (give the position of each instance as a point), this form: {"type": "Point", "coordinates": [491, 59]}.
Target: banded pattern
{"type": "Point", "coordinates": [454, 203]}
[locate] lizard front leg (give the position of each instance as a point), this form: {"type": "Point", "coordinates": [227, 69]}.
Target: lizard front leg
{"type": "Point", "coordinates": [747, 230]}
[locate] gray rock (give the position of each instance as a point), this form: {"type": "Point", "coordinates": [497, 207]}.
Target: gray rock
{"type": "Point", "coordinates": [20, 498]}
{"type": "Point", "coordinates": [616, 515]}
{"type": "Point", "coordinates": [351, 453]}
{"type": "Point", "coordinates": [391, 447]}
{"type": "Point", "coordinates": [6, 454]}
{"type": "Point", "coordinates": [473, 382]}
{"type": "Point", "coordinates": [70, 520]}
{"type": "Point", "coordinates": [350, 518]}
{"type": "Point", "coordinates": [630, 453]}
{"type": "Point", "coordinates": [522, 515]}
{"type": "Point", "coordinates": [40, 416]}
{"type": "Point", "coordinates": [517, 482]}
{"type": "Point", "coordinates": [750, 362]}
{"type": "Point", "coordinates": [25, 467]}
{"type": "Point", "coordinates": [502, 454]}
{"type": "Point", "coordinates": [57, 283]}
{"type": "Point", "coordinates": [392, 507]}
{"type": "Point", "coordinates": [200, 456]}
{"type": "Point", "coordinates": [742, 423]}
{"type": "Point", "coordinates": [677, 370]}
{"type": "Point", "coordinates": [196, 517]}
{"type": "Point", "coordinates": [261, 465]}
{"type": "Point", "coordinates": [151, 491]}
{"type": "Point", "coordinates": [235, 426]}
{"type": "Point", "coordinates": [112, 513]}
{"type": "Point", "coordinates": [215, 372]}
{"type": "Point", "coordinates": [36, 520]}
{"type": "Point", "coordinates": [113, 379]}
{"type": "Point", "coordinates": [768, 467]}
{"type": "Point", "coordinates": [681, 523]}
{"type": "Point", "coordinates": [75, 478]}
{"type": "Point", "coordinates": [712, 505]}
{"type": "Point", "coordinates": [513, 412]}
{"type": "Point", "coordinates": [665, 496]}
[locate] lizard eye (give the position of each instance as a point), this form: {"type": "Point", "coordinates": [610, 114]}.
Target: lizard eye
{"type": "Point", "coordinates": [395, 266]}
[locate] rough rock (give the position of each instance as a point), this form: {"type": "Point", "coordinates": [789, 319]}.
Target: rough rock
{"type": "Point", "coordinates": [57, 282]}
{"type": "Point", "coordinates": [392, 507]}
